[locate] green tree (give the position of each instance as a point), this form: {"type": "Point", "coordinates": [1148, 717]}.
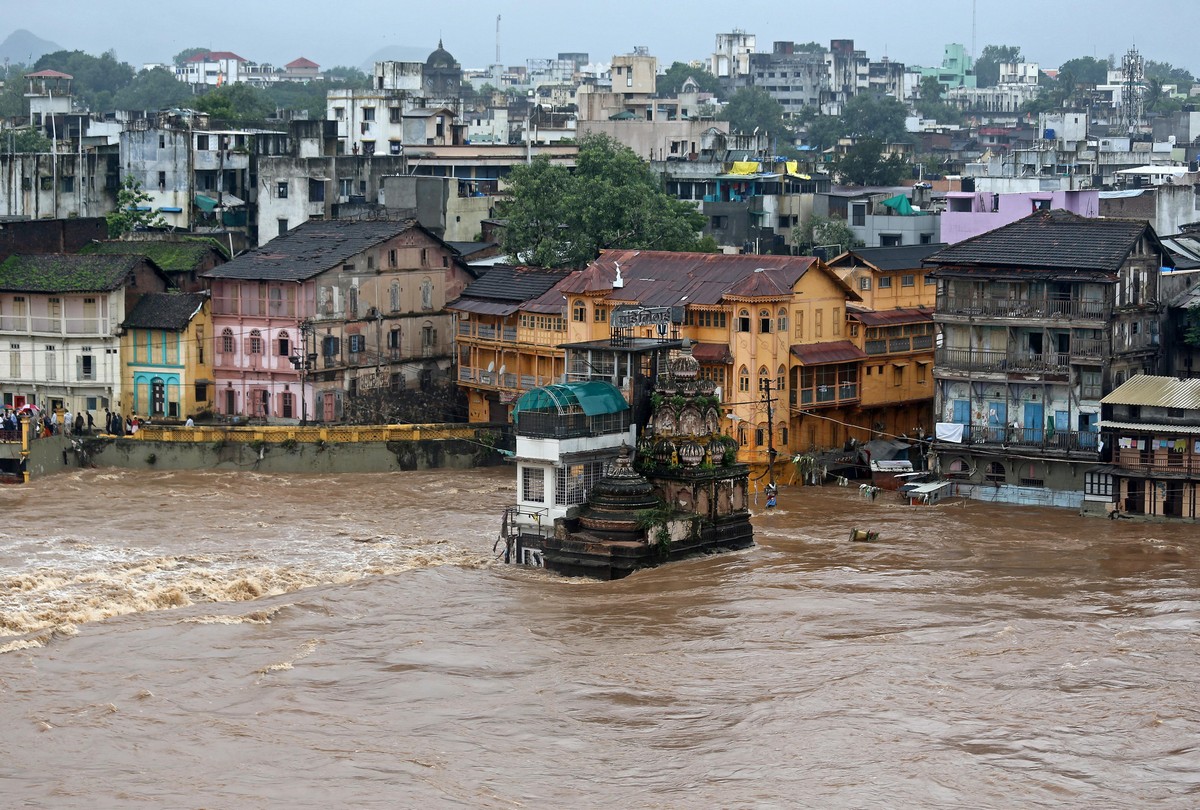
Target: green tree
{"type": "Point", "coordinates": [751, 109]}
{"type": "Point", "coordinates": [236, 103]}
{"type": "Point", "coordinates": [1086, 70]}
{"type": "Point", "coordinates": [931, 105]}
{"type": "Point", "coordinates": [879, 117]}
{"type": "Point", "coordinates": [556, 218]}
{"type": "Point", "coordinates": [26, 139]}
{"type": "Point", "coordinates": [864, 165]}
{"type": "Point", "coordinates": [818, 231]}
{"type": "Point", "coordinates": [987, 66]}
{"type": "Point", "coordinates": [154, 89]}
{"type": "Point", "coordinates": [349, 77]}
{"type": "Point", "coordinates": [188, 53]}
{"type": "Point", "coordinates": [127, 217]}
{"type": "Point", "coordinates": [96, 78]}
{"type": "Point", "coordinates": [1169, 74]}
{"type": "Point", "coordinates": [672, 79]}
{"type": "Point", "coordinates": [12, 94]}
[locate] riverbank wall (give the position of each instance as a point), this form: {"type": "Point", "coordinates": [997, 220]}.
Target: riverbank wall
{"type": "Point", "coordinates": [284, 449]}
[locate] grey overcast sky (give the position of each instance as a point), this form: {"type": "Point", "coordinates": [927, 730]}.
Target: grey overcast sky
{"type": "Point", "coordinates": [348, 32]}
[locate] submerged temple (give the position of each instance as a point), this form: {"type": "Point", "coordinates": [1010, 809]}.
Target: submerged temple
{"type": "Point", "coordinates": [610, 512]}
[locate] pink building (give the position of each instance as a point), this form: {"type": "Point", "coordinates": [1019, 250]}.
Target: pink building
{"type": "Point", "coordinates": [970, 213]}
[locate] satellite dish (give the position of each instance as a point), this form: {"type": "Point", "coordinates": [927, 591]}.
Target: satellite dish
{"type": "Point", "coordinates": [491, 367]}
{"type": "Point", "coordinates": [503, 369]}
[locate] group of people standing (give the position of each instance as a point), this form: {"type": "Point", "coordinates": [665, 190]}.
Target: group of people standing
{"type": "Point", "coordinates": [114, 424]}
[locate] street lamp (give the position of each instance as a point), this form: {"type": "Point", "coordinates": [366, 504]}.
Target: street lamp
{"type": "Point", "coordinates": [304, 361]}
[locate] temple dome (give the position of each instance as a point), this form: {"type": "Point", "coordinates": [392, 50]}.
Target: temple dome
{"type": "Point", "coordinates": [441, 58]}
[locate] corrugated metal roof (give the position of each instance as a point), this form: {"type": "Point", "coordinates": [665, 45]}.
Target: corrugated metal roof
{"type": "Point", "coordinates": [887, 317]}
{"type": "Point", "coordinates": [1151, 428]}
{"type": "Point", "coordinates": [1157, 392]}
{"type": "Point", "coordinates": [836, 351]}
{"type": "Point", "coordinates": [662, 279]}
{"type": "Point", "coordinates": [1044, 240]}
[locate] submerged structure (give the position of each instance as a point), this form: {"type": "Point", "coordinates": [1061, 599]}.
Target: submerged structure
{"type": "Point", "coordinates": [587, 505]}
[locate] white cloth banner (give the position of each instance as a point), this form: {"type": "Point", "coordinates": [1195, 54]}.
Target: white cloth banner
{"type": "Point", "coordinates": [948, 432]}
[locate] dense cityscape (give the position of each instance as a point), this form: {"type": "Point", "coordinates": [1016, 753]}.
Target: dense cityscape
{"type": "Point", "coordinates": [967, 258]}
{"type": "Point", "coordinates": [787, 424]}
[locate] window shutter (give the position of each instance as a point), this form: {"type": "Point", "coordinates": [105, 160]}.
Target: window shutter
{"type": "Point", "coordinates": [337, 404]}
{"type": "Point", "coordinates": [319, 407]}
{"type": "Point", "coordinates": [79, 368]}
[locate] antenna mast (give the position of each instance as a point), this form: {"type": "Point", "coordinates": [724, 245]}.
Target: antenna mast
{"type": "Point", "coordinates": [497, 39]}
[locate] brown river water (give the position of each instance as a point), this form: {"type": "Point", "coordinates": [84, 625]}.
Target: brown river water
{"type": "Point", "coordinates": [213, 640]}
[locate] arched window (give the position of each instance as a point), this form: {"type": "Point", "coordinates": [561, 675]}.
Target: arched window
{"type": "Point", "coordinates": [578, 311]}
{"type": "Point", "coordinates": [764, 378]}
{"type": "Point", "coordinates": [227, 341]}
{"type": "Point", "coordinates": [781, 326]}
{"type": "Point", "coordinates": [285, 344]}
{"type": "Point", "coordinates": [995, 473]}
{"type": "Point", "coordinates": [760, 435]}
{"type": "Point", "coordinates": [256, 344]}
{"type": "Point", "coordinates": [780, 379]}
{"type": "Point", "coordinates": [764, 321]}
{"type": "Point", "coordinates": [743, 379]}
{"type": "Point", "coordinates": [958, 469]}
{"type": "Point", "coordinates": [742, 434]}
{"type": "Point", "coordinates": [743, 320]}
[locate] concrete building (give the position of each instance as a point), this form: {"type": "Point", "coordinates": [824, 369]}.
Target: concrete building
{"type": "Point", "coordinates": [330, 318]}
{"type": "Point", "coordinates": [59, 319]}
{"type": "Point", "coordinates": [166, 357]}
{"type": "Point", "coordinates": [1039, 319]}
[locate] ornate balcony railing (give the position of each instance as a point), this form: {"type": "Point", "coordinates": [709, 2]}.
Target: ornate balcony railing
{"type": "Point", "coordinates": [1023, 308]}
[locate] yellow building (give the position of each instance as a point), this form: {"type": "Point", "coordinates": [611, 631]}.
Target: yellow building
{"type": "Point", "coordinates": [166, 363]}
{"type": "Point", "coordinates": [509, 326]}
{"type": "Point", "coordinates": [791, 346]}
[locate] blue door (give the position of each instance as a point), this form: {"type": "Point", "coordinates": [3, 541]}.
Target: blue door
{"type": "Point", "coordinates": [997, 419]}
{"type": "Point", "coordinates": [1087, 431]}
{"type": "Point", "coordinates": [1033, 422]}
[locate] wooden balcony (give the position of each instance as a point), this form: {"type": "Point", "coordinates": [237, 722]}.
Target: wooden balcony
{"type": "Point", "coordinates": [1058, 309]}
{"type": "Point", "coordinates": [823, 396]}
{"type": "Point", "coordinates": [1002, 361]}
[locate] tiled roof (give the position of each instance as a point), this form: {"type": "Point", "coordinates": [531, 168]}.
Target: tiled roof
{"type": "Point", "coordinates": [309, 249]}
{"type": "Point", "coordinates": [1057, 240]}
{"type": "Point", "coordinates": [48, 74]}
{"type": "Point", "coordinates": [835, 351]}
{"type": "Point", "coordinates": [213, 56]}
{"type": "Point", "coordinates": [517, 284]}
{"type": "Point", "coordinates": [165, 311]}
{"type": "Point", "coordinates": [60, 272]}
{"type": "Point", "coordinates": [889, 317]}
{"type": "Point", "coordinates": [173, 257]}
{"type": "Point", "coordinates": [902, 257]}
{"type": "Point", "coordinates": [1157, 392]}
{"type": "Point", "coordinates": [301, 63]}
{"type": "Point", "coordinates": [712, 353]}
{"type": "Point", "coordinates": [664, 279]}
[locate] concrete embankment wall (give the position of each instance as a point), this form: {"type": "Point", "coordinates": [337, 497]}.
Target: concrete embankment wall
{"type": "Point", "coordinates": [294, 450]}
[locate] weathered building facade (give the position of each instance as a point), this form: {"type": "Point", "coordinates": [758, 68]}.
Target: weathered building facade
{"type": "Point", "coordinates": [1039, 319]}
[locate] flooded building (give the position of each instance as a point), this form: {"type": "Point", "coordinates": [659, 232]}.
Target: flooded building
{"type": "Point", "coordinates": [1039, 319]}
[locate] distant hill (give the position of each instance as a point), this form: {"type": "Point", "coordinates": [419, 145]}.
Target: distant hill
{"type": "Point", "coordinates": [23, 47]}
{"type": "Point", "coordinates": [396, 53]}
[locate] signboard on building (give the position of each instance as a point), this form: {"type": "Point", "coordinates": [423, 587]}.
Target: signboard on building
{"type": "Point", "coordinates": [642, 316]}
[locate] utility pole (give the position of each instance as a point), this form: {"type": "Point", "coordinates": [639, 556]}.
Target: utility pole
{"type": "Point", "coordinates": [304, 361]}
{"type": "Point", "coordinates": [772, 488]}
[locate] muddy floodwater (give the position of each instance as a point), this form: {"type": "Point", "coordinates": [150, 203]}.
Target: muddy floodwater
{"type": "Point", "coordinates": [213, 640]}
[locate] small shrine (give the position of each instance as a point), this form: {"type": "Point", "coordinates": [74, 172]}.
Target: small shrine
{"type": "Point", "coordinates": [684, 493]}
